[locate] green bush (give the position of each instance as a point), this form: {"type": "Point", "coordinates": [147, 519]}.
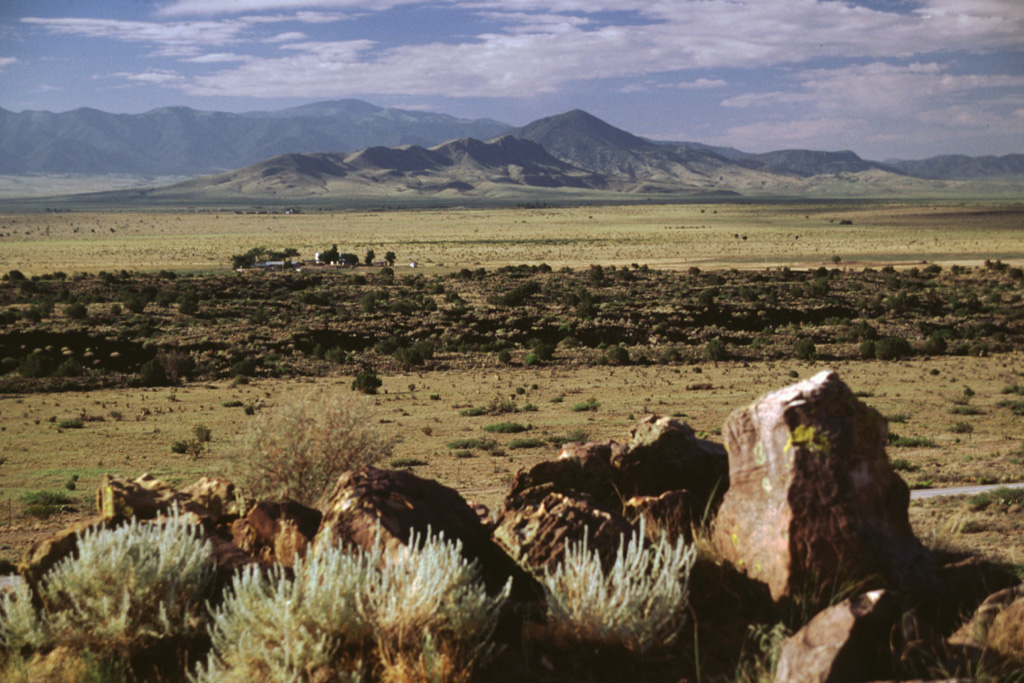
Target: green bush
{"type": "Point", "coordinates": [715, 350]}
{"type": "Point", "coordinates": [366, 381]}
{"type": "Point", "coordinates": [71, 423]}
{"type": "Point", "coordinates": [892, 348]}
{"type": "Point", "coordinates": [590, 404]}
{"type": "Point", "coordinates": [505, 428]}
{"type": "Point", "coordinates": [77, 311]}
{"type": "Point", "coordinates": [529, 442]}
{"type": "Point", "coordinates": [804, 349]}
{"type": "Point", "coordinates": [617, 355]}
{"type": "Point", "coordinates": [300, 449]}
{"type": "Point", "coordinates": [244, 368]}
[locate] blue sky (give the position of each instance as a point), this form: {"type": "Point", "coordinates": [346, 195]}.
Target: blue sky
{"type": "Point", "coordinates": [885, 78]}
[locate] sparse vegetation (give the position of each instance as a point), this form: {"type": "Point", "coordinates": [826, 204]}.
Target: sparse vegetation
{"type": "Point", "coordinates": [299, 449]}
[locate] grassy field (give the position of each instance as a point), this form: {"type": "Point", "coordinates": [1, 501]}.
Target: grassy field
{"type": "Point", "coordinates": [944, 409]}
{"type": "Point", "coordinates": [661, 236]}
{"type": "Point", "coordinates": [131, 431]}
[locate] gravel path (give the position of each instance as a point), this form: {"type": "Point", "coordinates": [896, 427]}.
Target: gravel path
{"type": "Point", "coordinates": [961, 490]}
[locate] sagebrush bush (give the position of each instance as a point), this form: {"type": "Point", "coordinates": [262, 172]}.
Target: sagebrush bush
{"type": "Point", "coordinates": [639, 603]}
{"type": "Point", "coordinates": [432, 617]}
{"type": "Point", "coordinates": [129, 587]}
{"type": "Point", "coordinates": [20, 624]}
{"type": "Point", "coordinates": [310, 627]}
{"type": "Point", "coordinates": [422, 615]}
{"type": "Point", "coordinates": [300, 449]}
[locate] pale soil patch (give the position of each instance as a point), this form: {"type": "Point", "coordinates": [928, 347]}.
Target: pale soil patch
{"type": "Point", "coordinates": [41, 456]}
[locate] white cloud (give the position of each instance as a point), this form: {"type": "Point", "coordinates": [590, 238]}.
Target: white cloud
{"type": "Point", "coordinates": [173, 38]}
{"type": "Point", "coordinates": [290, 36]}
{"type": "Point", "coordinates": [699, 84]}
{"type": "Point", "coordinates": [153, 77]}
{"type": "Point", "coordinates": [212, 7]}
{"type": "Point", "coordinates": [217, 58]}
{"type": "Point", "coordinates": [7, 61]}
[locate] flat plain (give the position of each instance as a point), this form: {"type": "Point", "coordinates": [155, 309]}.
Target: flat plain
{"type": "Point", "coordinates": [928, 398]}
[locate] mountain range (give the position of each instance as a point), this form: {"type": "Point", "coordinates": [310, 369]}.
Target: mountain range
{"type": "Point", "coordinates": [349, 147]}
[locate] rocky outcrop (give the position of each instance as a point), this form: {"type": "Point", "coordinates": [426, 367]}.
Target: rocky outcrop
{"type": "Point", "coordinates": [392, 505]}
{"type": "Point", "coordinates": [277, 532]}
{"type": "Point", "coordinates": [669, 476]}
{"type": "Point", "coordinates": [536, 532]}
{"type": "Point", "coordinates": [813, 499]}
{"type": "Point", "coordinates": [846, 643]}
{"type": "Point", "coordinates": [209, 499]}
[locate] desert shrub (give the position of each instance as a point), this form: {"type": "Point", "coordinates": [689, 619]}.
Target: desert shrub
{"type": "Point", "coordinates": [424, 614]}
{"type": "Point", "coordinates": [526, 442]}
{"type": "Point", "coordinates": [129, 588]}
{"type": "Point", "coordinates": [152, 374]}
{"type": "Point", "coordinates": [432, 617]}
{"type": "Point", "coordinates": [866, 350]}
{"type": "Point", "coordinates": [505, 427]}
{"type": "Point", "coordinates": [617, 355]}
{"type": "Point", "coordinates": [244, 368]}
{"type": "Point", "coordinates": [36, 364]}
{"type": "Point", "coordinates": [366, 381]}
{"type": "Point", "coordinates": [910, 441]}
{"type": "Point", "coordinates": [76, 311]}
{"type": "Point", "coordinates": [590, 404]}
{"type": "Point", "coordinates": [188, 303]}
{"type": "Point", "coordinates": [300, 449]}
{"type": "Point", "coordinates": [531, 359]}
{"type": "Point", "coordinates": [311, 627]}
{"type": "Point", "coordinates": [962, 427]}
{"type": "Point", "coordinates": [71, 423]}
{"type": "Point", "coordinates": [42, 504]}
{"type": "Point", "coordinates": [21, 628]}
{"type": "Point", "coordinates": [639, 603]}
{"type": "Point", "coordinates": [804, 349]}
{"type": "Point", "coordinates": [505, 356]}
{"type": "Point", "coordinates": [935, 344]}
{"type": "Point", "coordinates": [891, 348]}
{"type": "Point", "coordinates": [715, 350]}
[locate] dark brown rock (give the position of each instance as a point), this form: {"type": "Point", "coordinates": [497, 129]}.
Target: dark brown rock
{"type": "Point", "coordinates": [581, 469]}
{"type": "Point", "coordinates": [671, 514]}
{"type": "Point", "coordinates": [665, 454]}
{"type": "Point", "coordinates": [813, 499]}
{"type": "Point", "coordinates": [845, 643]}
{"type": "Point", "coordinates": [277, 532]}
{"type": "Point", "coordinates": [536, 533]}
{"type": "Point", "coordinates": [399, 503]}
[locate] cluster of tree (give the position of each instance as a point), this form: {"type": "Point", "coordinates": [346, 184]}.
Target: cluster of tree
{"type": "Point", "coordinates": [333, 256]}
{"type": "Point", "coordinates": [261, 255]}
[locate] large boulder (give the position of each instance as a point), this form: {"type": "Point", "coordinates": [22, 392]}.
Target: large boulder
{"type": "Point", "coordinates": [392, 505]}
{"type": "Point", "coordinates": [846, 643]}
{"type": "Point", "coordinates": [537, 531]}
{"type": "Point", "coordinates": [813, 499]}
{"type": "Point", "coordinates": [671, 514]}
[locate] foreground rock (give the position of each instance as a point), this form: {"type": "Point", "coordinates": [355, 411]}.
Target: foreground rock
{"type": "Point", "coordinates": [600, 491]}
{"type": "Point", "coordinates": [397, 504]}
{"type": "Point", "coordinates": [813, 499]}
{"type": "Point", "coordinates": [845, 643]}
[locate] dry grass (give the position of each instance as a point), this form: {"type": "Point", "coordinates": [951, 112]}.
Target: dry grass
{"type": "Point", "coordinates": [662, 236]}
{"type": "Point", "coordinates": [41, 457]}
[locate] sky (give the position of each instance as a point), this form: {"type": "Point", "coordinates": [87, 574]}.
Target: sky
{"type": "Point", "coordinates": [885, 78]}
